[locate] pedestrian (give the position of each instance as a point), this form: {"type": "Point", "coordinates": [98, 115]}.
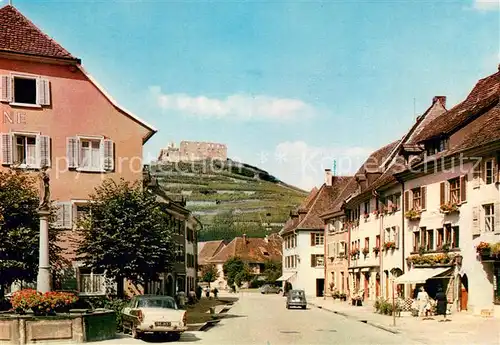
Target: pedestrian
{"type": "Point", "coordinates": [199, 292]}
{"type": "Point", "coordinates": [181, 296]}
{"type": "Point", "coordinates": [192, 297]}
{"type": "Point", "coordinates": [442, 303]}
{"type": "Point", "coordinates": [423, 301]}
{"type": "Point", "coordinates": [207, 292]}
{"type": "Point", "coordinates": [215, 292]}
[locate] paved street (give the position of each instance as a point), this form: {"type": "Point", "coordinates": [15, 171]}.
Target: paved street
{"type": "Point", "coordinates": [263, 319]}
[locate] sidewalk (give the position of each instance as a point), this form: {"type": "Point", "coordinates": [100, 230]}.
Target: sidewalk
{"type": "Point", "coordinates": [463, 329]}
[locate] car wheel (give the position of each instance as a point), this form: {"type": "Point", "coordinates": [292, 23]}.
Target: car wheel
{"type": "Point", "coordinates": [135, 333]}
{"type": "Point", "coordinates": [175, 336]}
{"type": "Point", "coordinates": [287, 306]}
{"type": "Point", "coordinates": [304, 307]}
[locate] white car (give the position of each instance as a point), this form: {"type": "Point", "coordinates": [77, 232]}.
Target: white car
{"type": "Point", "coordinates": [154, 314]}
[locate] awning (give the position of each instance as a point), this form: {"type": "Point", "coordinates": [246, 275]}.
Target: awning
{"type": "Point", "coordinates": [286, 276]}
{"type": "Point", "coordinates": [420, 275]}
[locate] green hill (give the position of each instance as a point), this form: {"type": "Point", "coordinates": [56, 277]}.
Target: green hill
{"type": "Point", "coordinates": [229, 198]}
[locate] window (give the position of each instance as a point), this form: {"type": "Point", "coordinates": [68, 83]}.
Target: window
{"type": "Point", "coordinates": [437, 146]}
{"type": "Point", "coordinates": [416, 240]}
{"type": "Point", "coordinates": [367, 207]}
{"type": "Point", "coordinates": [447, 233]}
{"type": "Point", "coordinates": [429, 240]}
{"type": "Point", "coordinates": [397, 201]}
{"type": "Point", "coordinates": [92, 282]}
{"type": "Point", "coordinates": [317, 239]}
{"type": "Point", "coordinates": [454, 190]}
{"type": "Point", "coordinates": [25, 150]}
{"type": "Point", "coordinates": [24, 90]}
{"type": "Point", "coordinates": [90, 154]}
{"type": "Point", "coordinates": [28, 150]}
{"type": "Point", "coordinates": [27, 90]}
{"type": "Point", "coordinates": [377, 241]}
{"type": "Point", "coordinates": [388, 234]}
{"type": "Point", "coordinates": [82, 211]}
{"type": "Point", "coordinates": [417, 198]}
{"type": "Point", "coordinates": [367, 242]}
{"type": "Point", "coordinates": [317, 260]}
{"type": "Point", "coordinates": [489, 218]}
{"type": "Point", "coordinates": [488, 172]}
{"type": "Point", "coordinates": [440, 237]}
{"type": "Point", "coordinates": [455, 241]}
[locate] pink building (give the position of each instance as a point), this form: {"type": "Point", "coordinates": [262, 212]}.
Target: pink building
{"type": "Point", "coordinates": [55, 115]}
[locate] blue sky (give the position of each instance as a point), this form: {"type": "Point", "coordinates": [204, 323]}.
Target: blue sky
{"type": "Point", "coordinates": [289, 86]}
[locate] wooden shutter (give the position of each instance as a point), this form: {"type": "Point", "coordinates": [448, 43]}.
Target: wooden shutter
{"type": "Point", "coordinates": [494, 168]}
{"type": "Point", "coordinates": [423, 197]}
{"type": "Point", "coordinates": [396, 236]}
{"type": "Point", "coordinates": [7, 158]}
{"type": "Point", "coordinates": [312, 239]}
{"type": "Point", "coordinates": [109, 157]}
{"type": "Point", "coordinates": [476, 174]}
{"type": "Point", "coordinates": [463, 188]}
{"type": "Point", "coordinates": [5, 88]}
{"type": "Point", "coordinates": [42, 151]}
{"type": "Point", "coordinates": [72, 150]}
{"type": "Point", "coordinates": [407, 201]}
{"type": "Point", "coordinates": [497, 218]}
{"type": "Point", "coordinates": [313, 260]}
{"type": "Point", "coordinates": [442, 193]}
{"type": "Point", "coordinates": [64, 216]}
{"type": "Point", "coordinates": [43, 91]}
{"type": "Point", "coordinates": [475, 221]}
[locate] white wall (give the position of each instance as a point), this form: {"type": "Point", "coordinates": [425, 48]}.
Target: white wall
{"type": "Point", "coordinates": [305, 277]}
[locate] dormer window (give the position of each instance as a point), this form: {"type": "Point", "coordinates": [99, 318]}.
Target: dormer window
{"type": "Point", "coordinates": [436, 146]}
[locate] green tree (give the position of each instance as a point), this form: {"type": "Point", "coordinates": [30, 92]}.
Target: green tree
{"type": "Point", "coordinates": [236, 271]}
{"type": "Point", "coordinates": [126, 233]}
{"type": "Point", "coordinates": [20, 229]}
{"type": "Point", "coordinates": [272, 271]}
{"type": "Point", "coordinates": [209, 274]}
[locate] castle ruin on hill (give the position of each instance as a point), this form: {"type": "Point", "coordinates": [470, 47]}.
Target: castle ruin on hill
{"type": "Point", "coordinates": [193, 151]}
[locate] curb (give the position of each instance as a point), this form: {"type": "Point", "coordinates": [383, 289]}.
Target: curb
{"type": "Point", "coordinates": [209, 324]}
{"type": "Point", "coordinates": [371, 323]}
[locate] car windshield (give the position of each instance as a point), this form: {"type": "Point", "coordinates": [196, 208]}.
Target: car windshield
{"type": "Point", "coordinates": [297, 293]}
{"type": "Point", "coordinates": [167, 303]}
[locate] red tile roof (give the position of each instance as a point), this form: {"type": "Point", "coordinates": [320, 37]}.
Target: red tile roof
{"type": "Point", "coordinates": [252, 250]}
{"type": "Point", "coordinates": [350, 188]}
{"type": "Point", "coordinates": [208, 249]}
{"type": "Point", "coordinates": [485, 93]}
{"type": "Point", "coordinates": [19, 35]}
{"type": "Point", "coordinates": [317, 203]}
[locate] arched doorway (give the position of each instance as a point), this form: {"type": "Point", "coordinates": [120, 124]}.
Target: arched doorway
{"type": "Point", "coordinates": [170, 285]}
{"type": "Point", "coordinates": [463, 291]}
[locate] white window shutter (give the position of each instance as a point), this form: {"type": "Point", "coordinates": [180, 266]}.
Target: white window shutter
{"type": "Point", "coordinates": [6, 143]}
{"type": "Point", "coordinates": [42, 151]}
{"type": "Point", "coordinates": [109, 157]}
{"type": "Point", "coordinates": [68, 215]}
{"type": "Point", "coordinates": [5, 88]}
{"type": "Point", "coordinates": [59, 216]}
{"type": "Point", "coordinates": [72, 150]}
{"type": "Point", "coordinates": [43, 91]}
{"type": "Point", "coordinates": [396, 236]}
{"type": "Point", "coordinates": [476, 230]}
{"type": "Point", "coordinates": [497, 218]}
{"type": "Point", "coordinates": [102, 155]}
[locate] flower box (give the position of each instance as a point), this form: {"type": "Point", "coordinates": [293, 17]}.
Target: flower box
{"type": "Point", "coordinates": [366, 251]}
{"type": "Point", "coordinates": [366, 215]}
{"type": "Point", "coordinates": [413, 214]}
{"type": "Point", "coordinates": [389, 245]}
{"type": "Point", "coordinates": [376, 250]}
{"type": "Point", "coordinates": [449, 208]}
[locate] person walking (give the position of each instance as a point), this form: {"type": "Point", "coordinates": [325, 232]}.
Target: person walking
{"type": "Point", "coordinates": [207, 292]}
{"type": "Point", "coordinates": [215, 291]}
{"type": "Point", "coordinates": [423, 301]}
{"type": "Point", "coordinates": [442, 304]}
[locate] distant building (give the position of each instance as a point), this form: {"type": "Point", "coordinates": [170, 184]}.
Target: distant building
{"type": "Point", "coordinates": [193, 151]}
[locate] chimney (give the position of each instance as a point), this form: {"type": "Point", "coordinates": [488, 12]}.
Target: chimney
{"type": "Point", "coordinates": [328, 177]}
{"type": "Point", "coordinates": [441, 99]}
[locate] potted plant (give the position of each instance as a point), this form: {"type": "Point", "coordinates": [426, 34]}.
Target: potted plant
{"type": "Point", "coordinates": [336, 295]}
{"type": "Point", "coordinates": [376, 250]}
{"type": "Point", "coordinates": [376, 213]}
{"type": "Point", "coordinates": [343, 296]}
{"type": "Point", "coordinates": [448, 208]}
{"type": "Point", "coordinates": [389, 245]}
{"type": "Point", "coordinates": [484, 250]}
{"type": "Point", "coordinates": [413, 214]}
{"type": "Point", "coordinates": [366, 215]}
{"type": "Point", "coordinates": [354, 253]}
{"type": "Point", "coordinates": [366, 251]}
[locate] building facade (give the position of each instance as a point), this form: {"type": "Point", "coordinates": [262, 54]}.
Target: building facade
{"type": "Point", "coordinates": [56, 116]}
{"type": "Point", "coordinates": [304, 238]}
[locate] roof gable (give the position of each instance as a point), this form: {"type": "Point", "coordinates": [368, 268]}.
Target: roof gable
{"type": "Point", "coordinates": [252, 250]}
{"type": "Point", "coordinates": [20, 35]}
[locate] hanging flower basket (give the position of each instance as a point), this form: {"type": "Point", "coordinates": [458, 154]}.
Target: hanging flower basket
{"type": "Point", "coordinates": [366, 215]}
{"type": "Point", "coordinates": [376, 250]}
{"type": "Point", "coordinates": [389, 245]}
{"type": "Point", "coordinates": [376, 213]}
{"type": "Point", "coordinates": [366, 251]}
{"type": "Point", "coordinates": [354, 253]}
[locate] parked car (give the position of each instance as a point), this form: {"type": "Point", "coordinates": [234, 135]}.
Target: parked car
{"type": "Point", "coordinates": [264, 289]}
{"type": "Point", "coordinates": [154, 314]}
{"type": "Point", "coordinates": [296, 298]}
